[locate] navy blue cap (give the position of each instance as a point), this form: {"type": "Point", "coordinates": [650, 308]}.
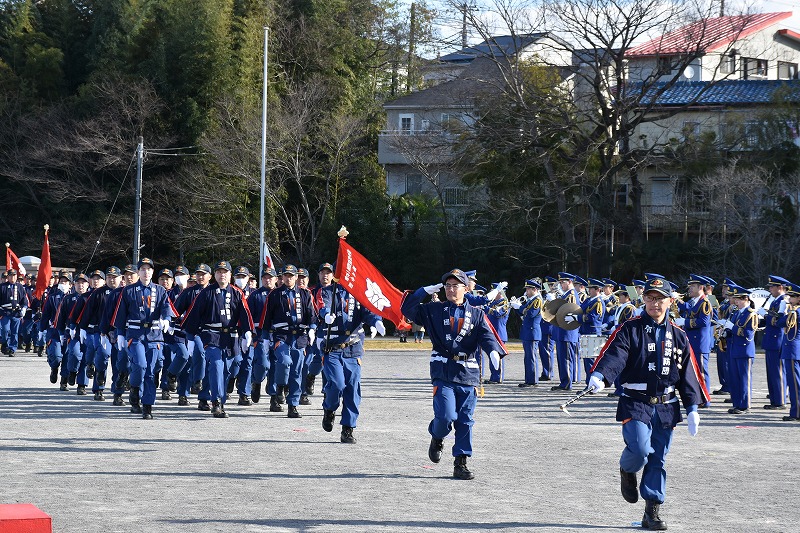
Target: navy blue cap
{"type": "Point", "coordinates": [637, 283]}
{"type": "Point", "coordinates": [710, 281]}
{"type": "Point", "coordinates": [472, 274]}
{"type": "Point", "coordinates": [458, 274]}
{"type": "Point", "coordinates": [728, 282]}
{"type": "Point", "coordinates": [302, 272]}
{"type": "Point", "coordinates": [793, 289]}
{"type": "Point", "coordinates": [289, 270]}
{"type": "Point", "coordinates": [566, 276]}
{"type": "Point", "coordinates": [67, 275]}
{"type": "Point", "coordinates": [651, 275]}
{"type": "Point", "coordinates": [596, 283]}
{"type": "Point", "coordinates": [146, 261]}
{"type": "Point", "coordinates": [532, 283]}
{"type": "Point", "coordinates": [610, 282]}
{"type": "Point", "coordinates": [695, 278]}
{"type": "Point", "coordinates": [202, 267]}
{"type": "Point", "coordinates": [81, 277]}
{"type": "Point", "coordinates": [181, 270]}
{"type": "Point", "coordinates": [269, 272]}
{"type": "Point", "coordinates": [323, 266]}
{"type": "Point", "coordinates": [130, 269]}
{"type": "Point", "coordinates": [659, 285]}
{"type": "Point", "coordinates": [98, 273]}
{"type": "Point", "coordinates": [777, 280]}
{"type": "Point", "coordinates": [113, 271]}
{"type": "Point", "coordinates": [580, 280]}
{"type": "Point", "coordinates": [674, 286]}
{"type": "Point", "coordinates": [242, 271]}
{"type": "Point", "coordinates": [223, 265]}
{"type": "Point", "coordinates": [166, 272]}
{"type": "Point", "coordinates": [550, 279]}
{"type": "Point", "coordinates": [737, 291]}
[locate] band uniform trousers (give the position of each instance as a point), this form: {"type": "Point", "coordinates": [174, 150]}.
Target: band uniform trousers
{"type": "Point", "coordinates": [530, 361]}
{"type": "Point", "coordinates": [776, 378]}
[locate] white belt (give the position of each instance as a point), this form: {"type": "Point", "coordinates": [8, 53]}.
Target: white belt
{"type": "Point", "coordinates": [643, 387]}
{"type": "Point", "coordinates": [280, 325]}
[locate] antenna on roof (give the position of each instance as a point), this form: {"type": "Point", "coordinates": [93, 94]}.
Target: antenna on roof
{"type": "Point", "coordinates": [464, 8]}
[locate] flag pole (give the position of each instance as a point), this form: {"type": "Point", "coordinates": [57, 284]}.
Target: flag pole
{"type": "Point", "coordinates": [342, 233]}
{"type": "Point", "coordinates": [263, 157]}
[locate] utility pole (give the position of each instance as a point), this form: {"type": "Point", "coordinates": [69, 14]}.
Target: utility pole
{"type": "Point", "coordinates": [411, 46]}
{"type": "Point", "coordinates": [464, 25]}
{"type": "Point", "coordinates": [137, 205]}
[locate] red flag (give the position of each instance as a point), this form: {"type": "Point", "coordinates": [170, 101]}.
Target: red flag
{"type": "Point", "coordinates": [367, 285]}
{"type": "Point", "coordinates": [45, 268]}
{"type": "Point", "coordinates": [12, 261]}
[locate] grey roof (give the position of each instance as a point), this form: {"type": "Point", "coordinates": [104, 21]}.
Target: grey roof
{"type": "Point", "coordinates": [503, 46]}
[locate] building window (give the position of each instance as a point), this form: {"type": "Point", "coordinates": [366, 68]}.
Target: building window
{"type": "Point", "coordinates": [621, 196]}
{"type": "Point", "coordinates": [662, 192]}
{"type": "Point", "coordinates": [664, 66]}
{"type": "Point", "coordinates": [787, 71]}
{"type": "Point", "coordinates": [407, 123]}
{"type": "Point", "coordinates": [414, 183]}
{"type": "Point", "coordinates": [754, 68]}
{"type": "Point", "coordinates": [752, 133]}
{"type": "Point", "coordinates": [455, 196]}
{"type": "Point", "coordinates": [728, 64]}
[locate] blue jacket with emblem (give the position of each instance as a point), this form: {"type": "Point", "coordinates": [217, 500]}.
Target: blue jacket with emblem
{"type": "Point", "coordinates": [591, 319]}
{"type": "Point", "coordinates": [219, 316]}
{"type": "Point", "coordinates": [288, 313]}
{"type": "Point", "coordinates": [565, 335]}
{"type": "Point", "coordinates": [773, 333]}
{"type": "Point", "coordinates": [138, 310]}
{"type": "Point", "coordinates": [698, 324]}
{"type": "Point", "coordinates": [741, 342]}
{"type": "Point", "coordinates": [531, 313]}
{"type": "Point", "coordinates": [791, 344]}
{"type": "Point", "coordinates": [346, 328]}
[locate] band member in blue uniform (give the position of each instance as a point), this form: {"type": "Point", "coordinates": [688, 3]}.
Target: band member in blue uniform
{"type": "Point", "coordinates": [594, 311]}
{"type": "Point", "coordinates": [497, 311]}
{"type": "Point", "coordinates": [653, 359]}
{"type": "Point", "coordinates": [790, 351]}
{"type": "Point", "coordinates": [530, 333]}
{"type": "Point", "coordinates": [457, 330]}
{"type": "Point", "coordinates": [773, 341]}
{"type": "Point", "coordinates": [141, 316]}
{"type": "Point", "coordinates": [221, 320]}
{"type": "Point", "coordinates": [698, 313]}
{"type": "Point", "coordinates": [14, 303]}
{"type": "Point", "coordinates": [566, 340]}
{"type": "Point", "coordinates": [547, 346]}
{"type": "Point", "coordinates": [742, 326]}
{"type": "Point", "coordinates": [343, 318]}
{"type": "Point", "coordinates": [720, 337]}
{"type": "Point", "coordinates": [261, 351]}
{"type": "Point", "coordinates": [290, 318]}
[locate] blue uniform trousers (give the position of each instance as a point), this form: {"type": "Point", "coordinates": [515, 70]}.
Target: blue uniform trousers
{"type": "Point", "coordinates": [179, 366]}
{"type": "Point", "coordinates": [646, 446]}
{"type": "Point", "coordinates": [793, 377]}
{"type": "Point", "coordinates": [547, 353]}
{"type": "Point", "coordinates": [76, 362]}
{"type": "Point", "coordinates": [567, 358]}
{"type": "Point", "coordinates": [722, 370]}
{"type": "Point", "coordinates": [41, 337]}
{"type": "Point", "coordinates": [165, 363]}
{"type": "Point", "coordinates": [219, 370]}
{"type": "Point", "coordinates": [198, 357]}
{"type": "Point", "coordinates": [9, 331]}
{"type": "Point", "coordinates": [703, 360]}
{"type": "Point", "coordinates": [54, 353]}
{"type": "Point", "coordinates": [739, 374]}
{"type": "Point", "coordinates": [27, 331]}
{"type": "Point", "coordinates": [144, 358]}
{"type": "Point", "coordinates": [99, 360]}
{"type": "Point", "coordinates": [312, 364]}
{"type": "Point", "coordinates": [343, 383]}
{"type": "Point", "coordinates": [454, 405]}
{"type": "Point", "coordinates": [776, 378]}
{"type": "Point", "coordinates": [245, 375]}
{"type": "Point", "coordinates": [530, 361]}
{"type": "Point", "coordinates": [289, 369]}
{"type": "Point", "coordinates": [261, 362]}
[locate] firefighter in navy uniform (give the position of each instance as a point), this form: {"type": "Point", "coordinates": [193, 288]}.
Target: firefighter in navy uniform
{"type": "Point", "coordinates": [47, 323]}
{"type": "Point", "coordinates": [654, 361]}
{"type": "Point", "coordinates": [261, 356]}
{"type": "Point", "coordinates": [457, 330]}
{"type": "Point", "coordinates": [89, 324]}
{"type": "Point", "coordinates": [13, 305]}
{"type": "Point", "coordinates": [66, 323]}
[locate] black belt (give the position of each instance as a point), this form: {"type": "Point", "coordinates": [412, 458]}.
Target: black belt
{"type": "Point", "coordinates": [289, 332]}
{"type": "Point", "coordinates": [140, 323]}
{"type": "Point", "coordinates": [329, 349]}
{"type": "Point", "coordinates": [646, 398]}
{"type": "Point", "coordinates": [217, 329]}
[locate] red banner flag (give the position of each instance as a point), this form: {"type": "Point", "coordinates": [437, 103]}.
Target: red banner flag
{"type": "Point", "coordinates": [45, 268]}
{"type": "Point", "coordinates": [12, 261]}
{"type": "Point", "coordinates": [367, 285]}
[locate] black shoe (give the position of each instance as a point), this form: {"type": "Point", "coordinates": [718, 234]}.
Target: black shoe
{"type": "Point", "coordinates": [183, 400]}
{"type": "Point", "coordinates": [719, 392]}
{"type": "Point", "coordinates": [244, 399]}
{"type": "Point", "coordinates": [274, 406]}
{"type": "Point", "coordinates": [81, 390]}
{"type": "Point", "coordinates": [727, 400]}
{"type": "Point", "coordinates": [101, 380]}
{"type": "Point", "coordinates": [98, 396]}
{"type": "Point", "coordinates": [771, 407]}
{"type": "Point", "coordinates": [28, 348]}
{"type": "Point", "coordinates": [165, 395]}
{"type": "Point", "coordinates": [256, 396]}
{"type": "Point", "coordinates": [327, 420]}
{"type": "Point", "coordinates": [460, 470]}
{"type": "Point", "coordinates": [197, 386]}
{"type": "Point", "coordinates": [523, 385]}
{"type": "Point", "coordinates": [90, 371]}
{"type": "Point", "coordinates": [310, 385]}
{"type": "Point", "coordinates": [347, 435]}
{"type": "Point", "coordinates": [435, 449]}
{"type": "Point", "coordinates": [72, 377]}
{"type": "Point", "coordinates": [231, 385]}
{"type": "Point", "coordinates": [123, 382]}
{"type": "Point", "coordinates": [54, 375]}
{"type": "Point", "coordinates": [40, 351]}
{"type": "Point", "coordinates": [304, 400]}
{"type": "Point", "coordinates": [651, 520]}
{"type": "Point", "coordinates": [790, 418]}
{"type": "Point", "coordinates": [629, 486]}
{"type": "Point", "coordinates": [118, 400]}
{"type": "Point", "coordinates": [544, 377]}
{"type": "Point", "coordinates": [218, 411]}
{"type": "Point", "coordinates": [558, 387]}
{"type": "Point", "coordinates": [63, 385]}
{"type": "Point", "coordinates": [283, 392]}
{"type": "Point", "coordinates": [202, 405]}
{"type": "Point", "coordinates": [11, 353]}
{"type": "Point", "coordinates": [147, 412]}
{"type": "Point", "coordinates": [136, 407]}
{"type": "Point", "coordinates": [736, 411]}
{"type": "Point", "coordinates": [172, 380]}
{"type": "Point", "coordinates": [293, 413]}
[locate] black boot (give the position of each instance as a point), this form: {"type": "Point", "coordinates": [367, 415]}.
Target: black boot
{"type": "Point", "coordinates": [651, 520]}
{"type": "Point", "coordinates": [256, 392]}
{"type": "Point", "coordinates": [197, 386]}
{"type": "Point", "coordinates": [293, 413]}
{"type": "Point", "coordinates": [28, 347]}
{"type": "Point", "coordinates": [147, 412]}
{"type": "Point", "coordinates": [202, 405]}
{"type": "Point", "coordinates": [274, 405]}
{"type": "Point", "coordinates": [136, 407]}
{"type": "Point", "coordinates": [435, 449]}
{"type": "Point", "coordinates": [98, 396]}
{"type": "Point", "coordinates": [63, 385]}
{"type": "Point", "coordinates": [54, 375]}
{"type": "Point", "coordinates": [118, 400]}
{"type": "Point", "coordinates": [283, 392]}
{"type": "Point", "coordinates": [460, 470]}
{"type": "Point", "coordinates": [172, 380]}
{"type": "Point", "coordinates": [217, 410]}
{"type": "Point", "coordinates": [347, 435]}
{"type": "Point", "coordinates": [304, 400]}
{"type": "Point", "coordinates": [90, 371]}
{"type": "Point", "coordinates": [101, 380]}
{"type": "Point", "coordinates": [165, 395]}
{"type": "Point", "coordinates": [72, 377]}
{"type": "Point", "coordinates": [40, 351]}
{"type": "Point", "coordinates": [310, 385]}
{"type": "Point", "coordinates": [81, 390]}
{"type": "Point", "coordinates": [183, 400]}
{"type": "Point", "coordinates": [327, 420]}
{"type": "Point", "coordinates": [231, 385]}
{"type": "Point", "coordinates": [123, 381]}
{"type": "Point", "coordinates": [244, 399]}
{"type": "Point", "coordinates": [629, 486]}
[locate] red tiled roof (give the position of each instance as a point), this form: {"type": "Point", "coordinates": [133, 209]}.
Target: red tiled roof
{"type": "Point", "coordinates": [707, 35]}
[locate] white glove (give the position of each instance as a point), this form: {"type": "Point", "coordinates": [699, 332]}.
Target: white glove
{"type": "Point", "coordinates": [380, 327]}
{"type": "Point", "coordinates": [595, 383]}
{"type": "Point", "coordinates": [247, 340]}
{"type": "Point", "coordinates": [550, 297]}
{"type": "Point", "coordinates": [104, 343]}
{"type": "Point", "coordinates": [674, 294]}
{"type": "Point", "coordinates": [120, 343]}
{"type": "Point", "coordinates": [680, 321]}
{"type": "Point", "coordinates": [190, 347]}
{"type": "Point", "coordinates": [330, 318]}
{"type": "Point", "coordinates": [494, 357]}
{"type": "Point", "coordinates": [693, 420]}
{"type": "Point", "coordinates": [372, 332]}
{"type": "Point", "coordinates": [83, 336]}
{"type": "Point", "coordinates": [515, 303]}
{"type": "Point", "coordinates": [569, 319]}
{"type": "Point", "coordinates": [492, 294]}
{"type": "Point", "coordinates": [431, 289]}
{"type": "Point", "coordinates": [728, 324]}
{"type": "Point", "coordinates": [761, 311]}
{"type": "Point", "coordinates": [166, 325]}
{"type": "Point", "coordinates": [71, 332]}
{"type": "Point", "coordinates": [311, 336]}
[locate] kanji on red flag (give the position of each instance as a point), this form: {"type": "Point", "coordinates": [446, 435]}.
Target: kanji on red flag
{"type": "Point", "coordinates": [367, 285]}
{"type": "Point", "coordinates": [12, 261]}
{"type": "Point", "coordinates": [45, 268]}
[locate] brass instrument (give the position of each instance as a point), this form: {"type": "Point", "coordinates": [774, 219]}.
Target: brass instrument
{"type": "Point", "coordinates": [502, 305]}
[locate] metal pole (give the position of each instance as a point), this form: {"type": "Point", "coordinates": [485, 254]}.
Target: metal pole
{"type": "Point", "coordinates": [137, 204]}
{"type": "Point", "coordinates": [263, 158]}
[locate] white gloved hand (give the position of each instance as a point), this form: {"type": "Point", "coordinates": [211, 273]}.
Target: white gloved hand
{"type": "Point", "coordinates": [595, 384]}
{"type": "Point", "coordinates": [494, 358]}
{"type": "Point", "coordinates": [380, 328]}
{"type": "Point", "coordinates": [372, 332]}
{"type": "Point", "coordinates": [569, 319]}
{"type": "Point", "coordinates": [82, 335]}
{"type": "Point", "coordinates": [71, 332]}
{"type": "Point", "coordinates": [693, 420]}
{"type": "Point", "coordinates": [674, 294]}
{"type": "Point", "coordinates": [64, 339]}
{"type": "Point", "coordinates": [120, 343]}
{"type": "Point", "coordinates": [728, 324]}
{"type": "Point", "coordinates": [246, 341]}
{"type": "Point", "coordinates": [190, 347]}
{"type": "Point", "coordinates": [311, 336]}
{"type": "Point", "coordinates": [550, 297]}
{"type": "Point", "coordinates": [492, 294]}
{"type": "Point", "coordinates": [104, 343]}
{"type": "Point", "coordinates": [515, 303]}
{"type": "Point", "coordinates": [165, 325]}
{"type": "Point", "coordinates": [761, 311]}
{"type": "Point", "coordinates": [680, 321]}
{"type": "Point", "coordinates": [330, 318]}
{"type": "Point", "coordinates": [430, 289]}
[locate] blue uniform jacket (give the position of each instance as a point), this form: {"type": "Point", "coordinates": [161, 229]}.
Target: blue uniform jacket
{"type": "Point", "coordinates": [741, 338]}
{"type": "Point", "coordinates": [64, 314]}
{"type": "Point", "coordinates": [219, 317]}
{"type": "Point", "coordinates": [498, 316]}
{"type": "Point", "coordinates": [791, 344]}
{"type": "Point", "coordinates": [93, 310]}
{"type": "Point", "coordinates": [698, 324]}
{"type": "Point", "coordinates": [256, 302]}
{"type": "Point", "coordinates": [456, 333]}
{"type": "Point", "coordinates": [631, 353]}
{"type": "Point", "coordinates": [139, 308]}
{"type": "Point", "coordinates": [350, 315]}
{"type": "Point", "coordinates": [50, 309]}
{"type": "Point", "coordinates": [106, 328]}
{"type": "Point", "coordinates": [531, 313]}
{"type": "Point", "coordinates": [773, 334]}
{"type": "Point", "coordinates": [13, 298]}
{"type": "Point", "coordinates": [592, 317]}
{"type": "Point", "coordinates": [288, 313]}
{"type": "Point", "coordinates": [565, 335]}
{"type": "Point", "coordinates": [77, 310]}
